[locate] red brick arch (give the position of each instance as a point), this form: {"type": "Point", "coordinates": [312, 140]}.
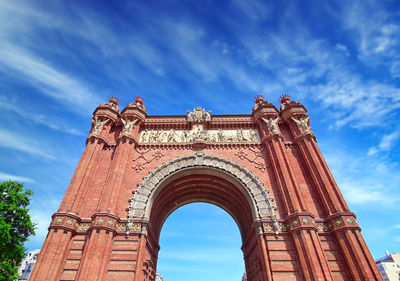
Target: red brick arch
{"type": "Point", "coordinates": [237, 178]}
{"type": "Point", "coordinates": [314, 236]}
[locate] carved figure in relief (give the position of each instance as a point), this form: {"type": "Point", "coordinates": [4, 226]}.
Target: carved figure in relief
{"type": "Point", "coordinates": [128, 125]}
{"type": "Point", "coordinates": [221, 137]}
{"type": "Point", "coordinates": [253, 135]}
{"type": "Point", "coordinates": [246, 135]}
{"type": "Point", "coordinates": [197, 133]}
{"type": "Point", "coordinates": [184, 136]}
{"type": "Point", "coordinates": [230, 137]}
{"type": "Point", "coordinates": [171, 136]}
{"type": "Point", "coordinates": [239, 134]}
{"type": "Point", "coordinates": [97, 125]}
{"type": "Point", "coordinates": [272, 124]}
{"type": "Point", "coordinates": [153, 136]}
{"type": "Point", "coordinates": [162, 136]}
{"type": "Point", "coordinates": [303, 123]}
{"type": "Point", "coordinates": [145, 136]}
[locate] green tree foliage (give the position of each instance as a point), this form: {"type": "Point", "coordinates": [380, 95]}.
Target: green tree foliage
{"type": "Point", "coordinates": [15, 227]}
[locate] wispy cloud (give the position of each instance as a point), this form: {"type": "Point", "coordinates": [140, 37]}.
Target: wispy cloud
{"type": "Point", "coordinates": [22, 110]}
{"type": "Point", "coordinates": [24, 144]}
{"type": "Point", "coordinates": [4, 177]}
{"type": "Point", "coordinates": [386, 143]}
{"type": "Point", "coordinates": [49, 80]}
{"type": "Point", "coordinates": [364, 180]}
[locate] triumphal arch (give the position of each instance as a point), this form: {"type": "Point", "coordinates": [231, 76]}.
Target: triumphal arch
{"type": "Point", "coordinates": [265, 169]}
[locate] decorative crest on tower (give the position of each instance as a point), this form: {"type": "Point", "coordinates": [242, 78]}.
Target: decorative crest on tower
{"type": "Point", "coordinates": [199, 114]}
{"type": "Point", "coordinates": [285, 98]}
{"type": "Point", "coordinates": [114, 100]}
{"type": "Point", "coordinates": [258, 98]}
{"type": "Point", "coordinates": [139, 100]}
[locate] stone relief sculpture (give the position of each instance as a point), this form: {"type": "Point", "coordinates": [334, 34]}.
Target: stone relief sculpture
{"type": "Point", "coordinates": [128, 125]}
{"type": "Point", "coordinates": [198, 133]}
{"type": "Point", "coordinates": [303, 123]}
{"type": "Point", "coordinates": [272, 124]}
{"type": "Point", "coordinates": [198, 114]}
{"type": "Point", "coordinates": [97, 125]}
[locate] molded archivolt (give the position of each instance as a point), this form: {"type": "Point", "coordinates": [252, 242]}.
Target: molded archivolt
{"type": "Point", "coordinates": [141, 202]}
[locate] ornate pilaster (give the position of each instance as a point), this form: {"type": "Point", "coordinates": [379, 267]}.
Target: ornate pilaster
{"type": "Point", "coordinates": [132, 116]}
{"type": "Point", "coordinates": [313, 263]}
{"type": "Point", "coordinates": [355, 252]}
{"type": "Point", "coordinates": [295, 116]}
{"type": "Point", "coordinates": [267, 117]}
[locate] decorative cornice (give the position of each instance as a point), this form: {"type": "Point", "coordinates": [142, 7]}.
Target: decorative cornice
{"type": "Point", "coordinates": [74, 223]}
{"type": "Point", "coordinates": [305, 220]}
{"type": "Point", "coordinates": [308, 136]}
{"type": "Point", "coordinates": [101, 139]}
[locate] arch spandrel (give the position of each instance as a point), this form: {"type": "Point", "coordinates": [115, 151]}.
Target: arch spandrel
{"type": "Point", "coordinates": [262, 203]}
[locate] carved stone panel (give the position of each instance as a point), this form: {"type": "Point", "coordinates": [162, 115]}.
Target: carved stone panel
{"type": "Point", "coordinates": [198, 133]}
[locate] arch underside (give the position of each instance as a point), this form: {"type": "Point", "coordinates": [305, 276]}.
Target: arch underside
{"type": "Point", "coordinates": [201, 178]}
{"type": "Point", "coordinates": [201, 188]}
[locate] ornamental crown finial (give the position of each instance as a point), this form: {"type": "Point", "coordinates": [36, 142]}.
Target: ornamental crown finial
{"type": "Point", "coordinates": [284, 98]}
{"type": "Point", "coordinates": [258, 98]}
{"type": "Point", "coordinates": [114, 100]}
{"type": "Point", "coordinates": [139, 100]}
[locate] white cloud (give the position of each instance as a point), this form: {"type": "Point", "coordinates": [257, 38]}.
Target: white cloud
{"type": "Point", "coordinates": [4, 177]}
{"type": "Point", "coordinates": [364, 180]}
{"type": "Point", "coordinates": [47, 78]}
{"type": "Point", "coordinates": [27, 113]}
{"type": "Point", "coordinates": [355, 193]}
{"type": "Point", "coordinates": [386, 143]}
{"type": "Point", "coordinates": [24, 144]}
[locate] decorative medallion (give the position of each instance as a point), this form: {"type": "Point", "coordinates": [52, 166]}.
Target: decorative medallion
{"type": "Point", "coordinates": [58, 220]}
{"type": "Point", "coordinates": [136, 227]}
{"type": "Point", "coordinates": [268, 227]}
{"type": "Point", "coordinates": [338, 222]}
{"type": "Point", "coordinates": [295, 222]}
{"type": "Point", "coordinates": [100, 221]}
{"type": "Point", "coordinates": [81, 227]}
{"type": "Point", "coordinates": [322, 227]}
{"type": "Point", "coordinates": [121, 227]}
{"type": "Point", "coordinates": [349, 220]}
{"type": "Point", "coordinates": [305, 220]}
{"type": "Point", "coordinates": [283, 227]}
{"type": "Point", "coordinates": [69, 221]}
{"type": "Point", "coordinates": [110, 222]}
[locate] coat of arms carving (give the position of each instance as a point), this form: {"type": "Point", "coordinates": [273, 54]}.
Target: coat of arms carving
{"type": "Point", "coordinates": [199, 114]}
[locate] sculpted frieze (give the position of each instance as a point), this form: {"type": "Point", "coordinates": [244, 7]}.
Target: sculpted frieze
{"type": "Point", "coordinates": [198, 133]}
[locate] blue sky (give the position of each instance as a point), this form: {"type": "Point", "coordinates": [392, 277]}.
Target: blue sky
{"type": "Point", "coordinates": [341, 59]}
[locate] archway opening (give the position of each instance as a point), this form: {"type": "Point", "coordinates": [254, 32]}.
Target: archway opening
{"type": "Point", "coordinates": [200, 242]}
{"type": "Point", "coordinates": [207, 179]}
